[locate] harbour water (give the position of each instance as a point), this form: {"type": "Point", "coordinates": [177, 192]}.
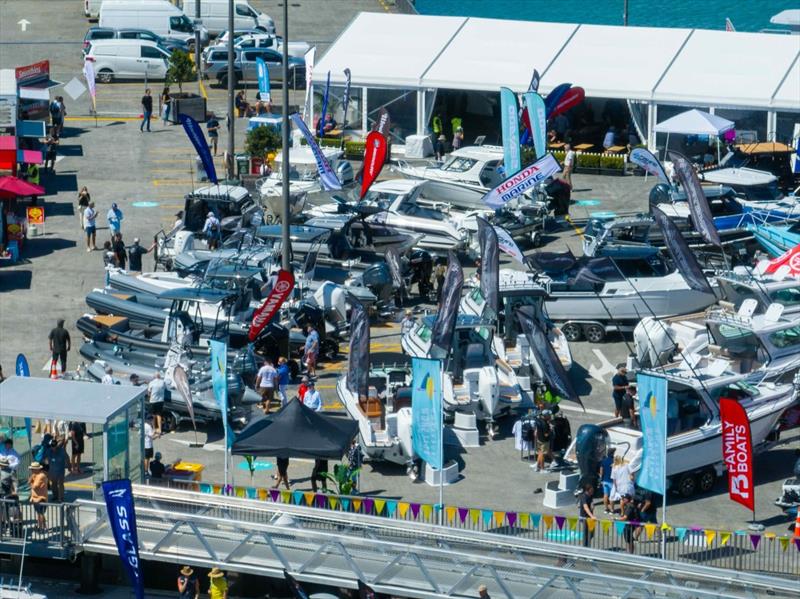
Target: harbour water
{"type": "Point", "coordinates": [749, 15]}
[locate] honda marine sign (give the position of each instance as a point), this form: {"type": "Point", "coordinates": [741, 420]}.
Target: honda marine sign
{"type": "Point", "coordinates": [519, 183]}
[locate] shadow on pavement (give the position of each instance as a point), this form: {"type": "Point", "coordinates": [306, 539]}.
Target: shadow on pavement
{"type": "Point", "coordinates": [70, 150]}
{"type": "Point", "coordinates": [11, 280]}
{"type": "Point", "coordinates": [42, 246]}
{"type": "Point", "coordinates": [59, 209]}
{"type": "Point", "coordinates": [57, 182]}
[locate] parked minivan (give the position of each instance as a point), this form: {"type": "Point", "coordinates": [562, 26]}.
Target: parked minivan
{"type": "Point", "coordinates": [127, 59]}
{"type": "Point", "coordinates": [91, 8]}
{"type": "Point", "coordinates": [158, 16]}
{"type": "Point", "coordinates": [102, 33]}
{"type": "Point", "coordinates": [214, 14]}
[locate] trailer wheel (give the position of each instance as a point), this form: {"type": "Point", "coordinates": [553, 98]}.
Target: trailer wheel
{"type": "Point", "coordinates": [536, 239]}
{"type": "Point", "coordinates": [594, 333]}
{"type": "Point", "coordinates": [706, 480]}
{"type": "Point", "coordinates": [687, 485]}
{"type": "Point", "coordinates": [169, 421]}
{"type": "Point", "coordinates": [572, 331]}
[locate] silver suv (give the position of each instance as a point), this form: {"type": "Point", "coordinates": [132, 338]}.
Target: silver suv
{"type": "Point", "coordinates": [215, 67]}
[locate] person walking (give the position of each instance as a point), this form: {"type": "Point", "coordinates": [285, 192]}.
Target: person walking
{"type": "Point", "coordinates": [90, 226]}
{"type": "Point", "coordinates": [241, 104]}
{"type": "Point", "coordinates": [148, 442]}
{"type": "Point", "coordinates": [283, 473]}
{"type": "Point", "coordinates": [38, 484]}
{"type": "Point", "coordinates": [147, 110]}
{"type": "Point", "coordinates": [283, 375]}
{"type": "Point", "coordinates": [212, 124]}
{"type": "Point", "coordinates": [76, 436]}
{"type": "Point", "coordinates": [57, 460]}
{"type": "Point", "coordinates": [569, 164]}
{"type": "Point", "coordinates": [543, 434]}
{"type": "Point", "coordinates": [50, 153]}
{"type": "Point", "coordinates": [586, 512]}
{"type": "Point", "coordinates": [165, 105]}
{"type": "Point", "coordinates": [318, 473]}
{"type": "Point", "coordinates": [311, 351]}
{"type": "Point", "coordinates": [218, 588]}
{"type": "Point", "coordinates": [156, 392]}
{"type": "Point", "coordinates": [83, 203]}
{"type": "Point", "coordinates": [56, 117]}
{"type": "Point", "coordinates": [302, 389]}
{"type": "Point", "coordinates": [606, 467]}
{"type": "Point", "coordinates": [60, 344]}
{"type": "Point", "coordinates": [118, 247]}
{"type": "Point", "coordinates": [212, 229]}
{"type": "Point", "coordinates": [619, 386]}
{"type": "Point", "coordinates": [114, 217]}
{"type": "Point", "coordinates": [407, 324]}
{"type": "Point", "coordinates": [265, 383]}
{"type": "Point", "coordinates": [188, 584]}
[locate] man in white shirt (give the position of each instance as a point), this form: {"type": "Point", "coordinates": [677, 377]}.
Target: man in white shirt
{"type": "Point", "coordinates": [569, 163]}
{"type": "Point", "coordinates": [265, 384]}
{"type": "Point", "coordinates": [211, 229]}
{"type": "Point", "coordinates": [108, 379]}
{"type": "Point", "coordinates": [312, 398]}
{"type": "Point", "coordinates": [148, 442]}
{"type": "Point", "coordinates": [8, 451]}
{"type": "Point", "coordinates": [156, 392]}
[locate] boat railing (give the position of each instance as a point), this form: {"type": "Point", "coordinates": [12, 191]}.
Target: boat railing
{"type": "Point", "coordinates": [728, 317]}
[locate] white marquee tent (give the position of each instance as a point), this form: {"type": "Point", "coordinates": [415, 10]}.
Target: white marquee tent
{"type": "Point", "coordinates": [695, 122]}
{"type": "Point", "coordinates": [688, 67]}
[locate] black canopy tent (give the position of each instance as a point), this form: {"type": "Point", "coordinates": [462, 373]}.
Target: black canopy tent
{"type": "Point", "coordinates": [297, 431]}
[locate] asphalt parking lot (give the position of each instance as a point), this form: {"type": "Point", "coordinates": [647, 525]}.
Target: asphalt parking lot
{"type": "Point", "coordinates": [148, 174]}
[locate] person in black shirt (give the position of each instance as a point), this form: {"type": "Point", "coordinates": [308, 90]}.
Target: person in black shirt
{"type": "Point", "coordinates": [619, 384]}
{"type": "Point", "coordinates": [627, 409]}
{"type": "Point", "coordinates": [648, 507]}
{"type": "Point", "coordinates": [76, 445]}
{"type": "Point", "coordinates": [118, 247]}
{"type": "Point", "coordinates": [147, 110]}
{"type": "Point", "coordinates": [156, 467]}
{"type": "Point", "coordinates": [135, 253]}
{"type": "Point", "coordinates": [60, 344]}
{"type": "Point", "coordinates": [212, 124]}
{"type": "Point", "coordinates": [586, 512]}
{"type": "Point", "coordinates": [630, 514]}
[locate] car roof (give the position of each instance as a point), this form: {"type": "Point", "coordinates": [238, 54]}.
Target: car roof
{"type": "Point", "coordinates": [117, 42]}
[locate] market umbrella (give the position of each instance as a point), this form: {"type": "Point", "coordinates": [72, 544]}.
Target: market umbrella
{"type": "Point", "coordinates": [12, 187]}
{"type": "Point", "coordinates": [296, 431]}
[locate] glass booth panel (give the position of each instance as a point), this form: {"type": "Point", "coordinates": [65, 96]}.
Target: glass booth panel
{"type": "Point", "coordinates": [751, 125]}
{"type": "Point", "coordinates": [401, 104]}
{"type": "Point", "coordinates": [336, 106]}
{"type": "Point", "coordinates": [785, 122]}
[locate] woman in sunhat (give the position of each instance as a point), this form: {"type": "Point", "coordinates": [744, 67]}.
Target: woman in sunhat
{"type": "Point", "coordinates": [188, 585]}
{"type": "Point", "coordinates": [38, 483]}
{"type": "Point", "coordinates": [218, 588]}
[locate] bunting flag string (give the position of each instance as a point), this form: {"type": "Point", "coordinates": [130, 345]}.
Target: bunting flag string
{"type": "Point", "coordinates": [333, 502]}
{"type": "Point", "coordinates": [379, 505]}
{"type": "Point", "coordinates": [591, 524]}
{"type": "Point", "coordinates": [427, 509]}
{"type": "Point", "coordinates": [755, 540]}
{"type": "Point", "coordinates": [605, 526]}
{"type": "Point", "coordinates": [450, 512]}
{"type": "Point", "coordinates": [415, 510]}
{"type": "Point", "coordinates": [368, 503]}
{"type": "Point", "coordinates": [619, 527]}
{"type": "Point", "coordinates": [474, 515]}
{"type": "Point", "coordinates": [487, 518]}
{"type": "Point", "coordinates": [681, 532]}
{"type": "Point", "coordinates": [512, 518]}
{"type": "Point", "coordinates": [274, 493]}
{"type": "Point", "coordinates": [356, 505]}
{"type": "Point", "coordinates": [391, 507]}
{"type": "Point", "coordinates": [649, 530]}
{"type": "Point", "coordinates": [524, 519]}
{"type": "Point", "coordinates": [572, 521]}
{"type": "Point", "coordinates": [560, 522]}
{"type": "Point", "coordinates": [499, 518]}
{"type": "Point", "coordinates": [784, 543]}
{"type": "Point", "coordinates": [462, 514]}
{"type": "Point", "coordinates": [710, 536]}
{"type": "Point", "coordinates": [548, 521]}
{"type": "Point", "coordinates": [403, 508]}
{"type": "Point", "coordinates": [724, 538]}
{"type": "Point", "coordinates": [286, 496]}
{"type": "Point", "coordinates": [309, 497]}
{"type": "Point", "coordinates": [346, 505]}
{"type": "Point", "coordinates": [535, 519]}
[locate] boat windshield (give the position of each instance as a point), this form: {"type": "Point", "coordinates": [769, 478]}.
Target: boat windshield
{"type": "Point", "coordinates": [789, 296]}
{"type": "Point", "coordinates": [686, 410]}
{"type": "Point", "coordinates": [786, 338]}
{"type": "Point", "coordinates": [737, 343]}
{"type": "Point", "coordinates": [424, 333]}
{"type": "Point", "coordinates": [458, 164]}
{"type": "Point", "coordinates": [380, 199]}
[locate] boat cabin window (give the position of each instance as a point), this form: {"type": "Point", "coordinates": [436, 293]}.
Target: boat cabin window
{"type": "Point", "coordinates": [686, 411]}
{"type": "Point", "coordinates": [739, 344]}
{"type": "Point", "coordinates": [411, 208]}
{"type": "Point", "coordinates": [788, 297]}
{"type": "Point", "coordinates": [736, 294]}
{"type": "Point", "coordinates": [489, 176]}
{"type": "Point", "coordinates": [424, 333]}
{"type": "Point", "coordinates": [653, 266]}
{"type": "Point", "coordinates": [786, 338]}
{"type": "Point", "coordinates": [763, 193]}
{"type": "Point", "coordinates": [458, 164]}
{"type": "Point", "coordinates": [724, 206]}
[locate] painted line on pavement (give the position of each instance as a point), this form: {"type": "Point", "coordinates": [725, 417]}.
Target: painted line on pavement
{"type": "Point", "coordinates": [163, 182]}
{"type": "Point", "coordinates": [78, 486]}
{"type": "Point", "coordinates": [203, 89]}
{"type": "Point", "coordinates": [571, 408]}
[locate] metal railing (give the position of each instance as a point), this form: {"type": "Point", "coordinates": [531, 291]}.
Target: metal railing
{"type": "Point", "coordinates": [406, 558]}
{"type": "Point", "coordinates": [739, 550]}
{"type": "Point", "coordinates": [19, 526]}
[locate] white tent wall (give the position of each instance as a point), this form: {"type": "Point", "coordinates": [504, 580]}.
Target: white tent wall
{"type": "Point", "coordinates": [751, 76]}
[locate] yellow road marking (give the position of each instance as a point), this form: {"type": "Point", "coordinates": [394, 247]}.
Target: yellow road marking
{"type": "Point", "coordinates": [203, 89]}
{"type": "Point", "coordinates": [78, 486]}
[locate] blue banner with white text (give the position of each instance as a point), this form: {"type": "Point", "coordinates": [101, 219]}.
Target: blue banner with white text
{"type": "Point", "coordinates": [22, 369]}
{"type": "Point", "coordinates": [426, 410]}
{"type": "Point", "coordinates": [195, 133]}
{"type": "Point", "coordinates": [653, 398]}
{"type": "Point", "coordinates": [263, 79]}
{"type": "Point", "coordinates": [325, 98]}
{"type": "Point", "coordinates": [122, 519]}
{"type": "Point", "coordinates": [509, 112]}
{"type": "Point", "coordinates": [219, 381]}
{"type": "Point", "coordinates": [328, 178]}
{"type": "Point", "coordinates": [536, 115]}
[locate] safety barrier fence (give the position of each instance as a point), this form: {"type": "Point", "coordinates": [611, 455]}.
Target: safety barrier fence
{"type": "Point", "coordinates": [741, 550]}
{"type": "Point", "coordinates": [20, 524]}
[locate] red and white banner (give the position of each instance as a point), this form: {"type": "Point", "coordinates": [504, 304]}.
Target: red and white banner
{"type": "Point", "coordinates": [32, 73]}
{"type": "Point", "coordinates": [737, 452]}
{"type": "Point", "coordinates": [374, 159]}
{"type": "Point", "coordinates": [280, 291]}
{"type": "Point", "coordinates": [787, 264]}
{"type": "Point", "coordinates": [571, 98]}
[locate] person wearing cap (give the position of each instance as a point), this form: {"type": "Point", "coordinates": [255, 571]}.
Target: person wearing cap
{"type": "Point", "coordinates": [218, 589]}
{"type": "Point", "coordinates": [188, 584]}
{"type": "Point", "coordinates": [38, 483]}
{"type": "Point", "coordinates": [114, 218]}
{"type": "Point", "coordinates": [135, 253]}
{"type": "Point", "coordinates": [302, 389]}
{"type": "Point", "coordinates": [543, 435]}
{"type": "Point", "coordinates": [108, 378]}
{"type": "Point", "coordinates": [60, 344]}
{"type": "Point", "coordinates": [157, 468]}
{"type": "Point", "coordinates": [483, 592]}
{"type": "Point", "coordinates": [312, 398]}
{"type": "Point", "coordinates": [407, 323]}
{"type": "Point", "coordinates": [212, 230]}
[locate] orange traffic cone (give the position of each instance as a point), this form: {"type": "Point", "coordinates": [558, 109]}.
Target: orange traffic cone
{"type": "Point", "coordinates": [797, 525]}
{"type": "Point", "coordinates": [53, 370]}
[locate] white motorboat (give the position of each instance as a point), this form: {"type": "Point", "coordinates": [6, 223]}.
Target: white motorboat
{"type": "Point", "coordinates": [384, 416]}
{"type": "Point", "coordinates": [742, 283]}
{"type": "Point", "coordinates": [476, 167]}
{"type": "Point", "coordinates": [694, 430]}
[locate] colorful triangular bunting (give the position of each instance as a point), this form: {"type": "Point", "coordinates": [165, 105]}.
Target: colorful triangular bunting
{"type": "Point", "coordinates": [379, 505]}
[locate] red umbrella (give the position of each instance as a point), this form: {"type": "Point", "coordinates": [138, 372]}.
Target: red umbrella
{"type": "Point", "coordinates": [12, 187]}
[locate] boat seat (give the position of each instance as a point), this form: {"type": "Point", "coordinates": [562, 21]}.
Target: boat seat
{"type": "Point", "coordinates": [475, 357]}
{"type": "Point", "coordinates": [371, 407]}
{"type": "Point", "coordinates": [109, 321]}
{"type": "Point", "coordinates": [124, 296]}
{"type": "Point", "coordinates": [403, 398]}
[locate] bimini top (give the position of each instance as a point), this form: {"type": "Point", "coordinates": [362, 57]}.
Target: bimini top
{"type": "Point", "coordinates": [78, 401]}
{"type": "Point", "coordinates": [666, 65]}
{"type": "Point", "coordinates": [197, 294]}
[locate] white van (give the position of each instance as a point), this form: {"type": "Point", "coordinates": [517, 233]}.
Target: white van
{"type": "Point", "coordinates": [127, 59]}
{"type": "Point", "coordinates": [91, 8]}
{"type": "Point", "coordinates": [214, 14]}
{"type": "Point", "coordinates": [158, 16]}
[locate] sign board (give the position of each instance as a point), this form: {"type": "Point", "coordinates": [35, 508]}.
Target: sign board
{"type": "Point", "coordinates": [33, 73]}
{"type": "Point", "coordinates": [35, 215]}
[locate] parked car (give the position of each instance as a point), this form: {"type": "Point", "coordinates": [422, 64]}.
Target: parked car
{"type": "Point", "coordinates": [215, 66]}
{"type": "Point", "coordinates": [214, 14]}
{"type": "Point", "coordinates": [127, 59]}
{"type": "Point", "coordinates": [262, 40]}
{"type": "Point", "coordinates": [223, 37]}
{"type": "Point", "coordinates": [158, 16]}
{"type": "Point", "coordinates": [107, 33]}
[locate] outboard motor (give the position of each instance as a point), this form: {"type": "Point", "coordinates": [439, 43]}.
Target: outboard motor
{"type": "Point", "coordinates": [591, 446]}
{"type": "Point", "coordinates": [309, 314]}
{"type": "Point", "coordinates": [378, 279]}
{"type": "Point", "coordinates": [660, 194]}
{"type": "Point", "coordinates": [338, 245]}
{"type": "Point", "coordinates": [421, 266]}
{"type": "Point", "coordinates": [273, 342]}
{"type": "Point", "coordinates": [332, 299]}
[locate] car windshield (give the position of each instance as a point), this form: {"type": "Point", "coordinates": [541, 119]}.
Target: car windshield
{"type": "Point", "coordinates": [181, 23]}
